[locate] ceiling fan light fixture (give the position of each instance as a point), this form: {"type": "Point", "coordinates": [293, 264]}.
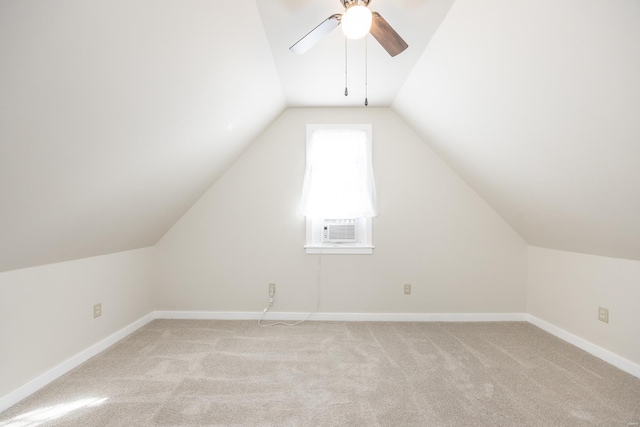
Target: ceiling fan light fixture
{"type": "Point", "coordinates": [356, 22]}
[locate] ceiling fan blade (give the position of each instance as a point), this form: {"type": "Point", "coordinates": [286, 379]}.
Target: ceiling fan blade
{"type": "Point", "coordinates": [386, 36]}
{"type": "Point", "coordinates": [314, 36]}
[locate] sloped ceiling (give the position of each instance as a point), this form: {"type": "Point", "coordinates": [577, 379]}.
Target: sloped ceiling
{"type": "Point", "coordinates": [317, 78]}
{"type": "Point", "coordinates": [115, 116]}
{"type": "Point", "coordinates": [536, 104]}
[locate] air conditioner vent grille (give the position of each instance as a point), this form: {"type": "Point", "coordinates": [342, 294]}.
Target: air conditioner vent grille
{"type": "Point", "coordinates": [342, 232]}
{"type": "Point", "coordinates": [339, 230]}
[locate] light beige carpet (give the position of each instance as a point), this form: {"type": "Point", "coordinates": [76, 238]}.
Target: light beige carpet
{"type": "Point", "coordinates": [196, 373]}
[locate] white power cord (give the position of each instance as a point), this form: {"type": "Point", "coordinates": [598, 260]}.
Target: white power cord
{"type": "Point", "coordinates": [272, 293]}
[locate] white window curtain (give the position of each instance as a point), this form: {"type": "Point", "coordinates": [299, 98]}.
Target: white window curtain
{"type": "Point", "coordinates": [338, 180]}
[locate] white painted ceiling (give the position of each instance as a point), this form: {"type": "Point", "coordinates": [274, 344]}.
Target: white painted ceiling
{"type": "Point", "coordinates": [115, 116]}
{"type": "Point", "coordinates": [317, 78]}
{"type": "Point", "coordinates": [536, 104]}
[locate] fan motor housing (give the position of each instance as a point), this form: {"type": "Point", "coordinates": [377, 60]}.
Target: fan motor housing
{"type": "Point", "coordinates": [348, 3]}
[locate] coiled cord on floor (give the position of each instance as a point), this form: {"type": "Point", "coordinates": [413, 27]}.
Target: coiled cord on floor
{"type": "Point", "coordinates": [271, 297]}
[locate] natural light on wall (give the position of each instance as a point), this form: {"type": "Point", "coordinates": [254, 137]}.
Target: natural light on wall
{"type": "Point", "coordinates": [339, 187]}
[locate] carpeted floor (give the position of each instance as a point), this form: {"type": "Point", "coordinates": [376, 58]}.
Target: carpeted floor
{"type": "Point", "coordinates": [201, 372]}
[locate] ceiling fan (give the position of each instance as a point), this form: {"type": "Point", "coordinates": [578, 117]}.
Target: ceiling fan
{"type": "Point", "coordinates": [357, 21]}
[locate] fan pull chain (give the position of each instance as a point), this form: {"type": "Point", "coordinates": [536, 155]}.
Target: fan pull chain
{"type": "Point", "coordinates": [366, 77]}
{"type": "Point", "coordinates": [346, 91]}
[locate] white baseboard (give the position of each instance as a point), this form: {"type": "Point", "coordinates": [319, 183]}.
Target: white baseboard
{"type": "Point", "coordinates": [31, 387]}
{"type": "Point", "coordinates": [36, 384]}
{"type": "Point", "coordinates": [595, 350]}
{"type": "Point", "coordinates": [347, 317]}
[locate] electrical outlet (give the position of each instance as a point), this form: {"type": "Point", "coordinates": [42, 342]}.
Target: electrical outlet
{"type": "Point", "coordinates": [407, 289]}
{"type": "Point", "coordinates": [603, 314]}
{"type": "Point", "coordinates": [97, 310]}
{"type": "Point", "coordinates": [272, 289]}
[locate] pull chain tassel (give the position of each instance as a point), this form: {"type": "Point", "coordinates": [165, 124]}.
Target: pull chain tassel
{"type": "Point", "coordinates": [346, 91]}
{"type": "Point", "coordinates": [366, 61]}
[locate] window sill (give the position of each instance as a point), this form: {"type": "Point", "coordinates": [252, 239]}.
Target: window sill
{"type": "Point", "coordinates": [336, 249]}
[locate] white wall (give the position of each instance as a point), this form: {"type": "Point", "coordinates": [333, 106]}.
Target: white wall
{"type": "Point", "coordinates": [432, 231]}
{"type": "Point", "coordinates": [46, 312]}
{"type": "Point", "coordinates": [566, 289]}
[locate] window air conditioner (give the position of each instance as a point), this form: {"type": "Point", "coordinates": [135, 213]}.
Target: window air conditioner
{"type": "Point", "coordinates": [339, 231]}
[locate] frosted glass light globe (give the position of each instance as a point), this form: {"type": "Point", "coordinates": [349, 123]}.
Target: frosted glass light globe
{"type": "Point", "coordinates": [356, 22]}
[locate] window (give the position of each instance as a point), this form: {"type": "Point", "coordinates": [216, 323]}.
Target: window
{"type": "Point", "coordinates": [338, 196]}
